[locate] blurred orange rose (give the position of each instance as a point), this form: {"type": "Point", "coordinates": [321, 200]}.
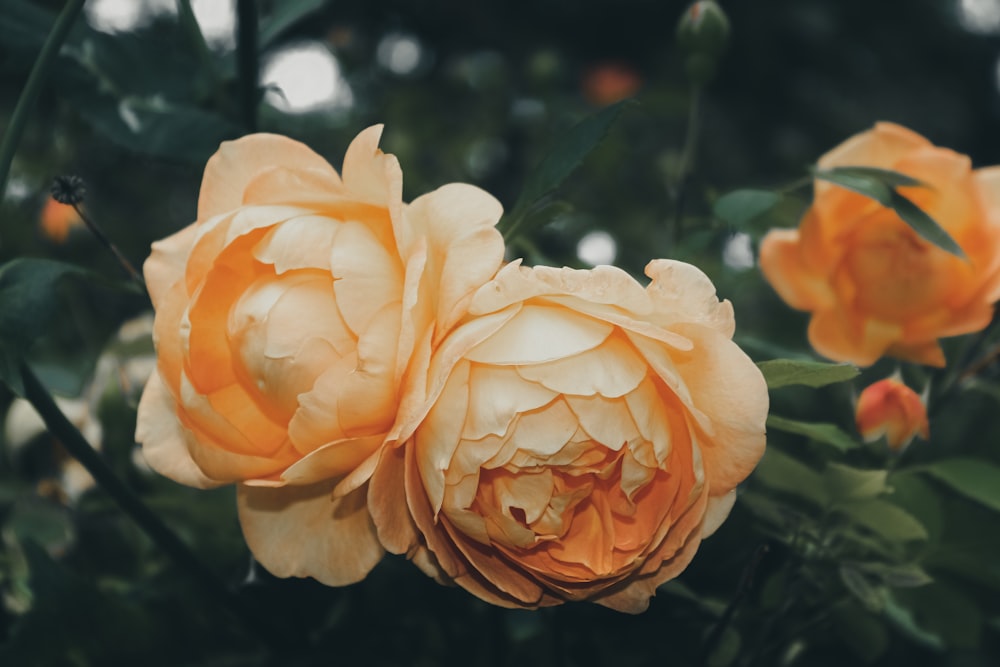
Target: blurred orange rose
{"type": "Point", "coordinates": [57, 220]}
{"type": "Point", "coordinates": [873, 286]}
{"type": "Point", "coordinates": [286, 317]}
{"type": "Point", "coordinates": [578, 437]}
{"type": "Point", "coordinates": [889, 408]}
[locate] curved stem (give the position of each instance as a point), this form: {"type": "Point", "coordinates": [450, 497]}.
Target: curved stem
{"type": "Point", "coordinates": [103, 238]}
{"type": "Point", "coordinates": [247, 62]}
{"type": "Point", "coordinates": [686, 166]}
{"type": "Point", "coordinates": [68, 435]}
{"type": "Point", "coordinates": [39, 72]}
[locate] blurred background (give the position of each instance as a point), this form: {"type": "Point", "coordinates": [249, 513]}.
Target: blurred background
{"type": "Point", "coordinates": [143, 93]}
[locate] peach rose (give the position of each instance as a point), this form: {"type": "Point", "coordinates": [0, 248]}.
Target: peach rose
{"type": "Point", "coordinates": [889, 408]}
{"type": "Point", "coordinates": [579, 435]}
{"type": "Point", "coordinates": [286, 318]}
{"type": "Point", "coordinates": [872, 285]}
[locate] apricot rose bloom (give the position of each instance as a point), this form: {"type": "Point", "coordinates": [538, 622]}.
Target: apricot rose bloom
{"type": "Point", "coordinates": [286, 318]}
{"type": "Point", "coordinates": [890, 408]}
{"type": "Point", "coordinates": [872, 285]}
{"type": "Point", "coordinates": [579, 435]}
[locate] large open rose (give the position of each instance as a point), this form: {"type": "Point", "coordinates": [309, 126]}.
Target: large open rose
{"type": "Point", "coordinates": [872, 285]}
{"type": "Point", "coordinates": [579, 436]}
{"type": "Point", "coordinates": [286, 318]}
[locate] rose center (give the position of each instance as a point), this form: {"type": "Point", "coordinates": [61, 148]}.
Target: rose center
{"type": "Point", "coordinates": [285, 330]}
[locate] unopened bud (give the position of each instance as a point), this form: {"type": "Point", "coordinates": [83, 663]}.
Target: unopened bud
{"type": "Point", "coordinates": [702, 35]}
{"type": "Point", "coordinates": [889, 408]}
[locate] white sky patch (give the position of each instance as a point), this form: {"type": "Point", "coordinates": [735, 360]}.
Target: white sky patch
{"type": "Point", "coordinates": [18, 189]}
{"type": "Point", "coordinates": [980, 16]}
{"type": "Point", "coordinates": [399, 53]}
{"type": "Point", "coordinates": [597, 247]}
{"type": "Point", "coordinates": [217, 20]}
{"type": "Point", "coordinates": [124, 15]}
{"type": "Point", "coordinates": [309, 78]}
{"type": "Point", "coordinates": [738, 252]}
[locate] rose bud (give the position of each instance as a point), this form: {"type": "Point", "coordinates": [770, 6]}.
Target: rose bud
{"type": "Point", "coordinates": [889, 408]}
{"type": "Point", "coordinates": [702, 36]}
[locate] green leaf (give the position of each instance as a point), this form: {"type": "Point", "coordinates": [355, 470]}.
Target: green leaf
{"type": "Point", "coordinates": [822, 432]}
{"type": "Point", "coordinates": [893, 179]}
{"type": "Point", "coordinates": [865, 633]}
{"type": "Point", "coordinates": [902, 618]}
{"type": "Point", "coordinates": [29, 306]}
{"type": "Point", "coordinates": [880, 185]}
{"type": "Point", "coordinates": [725, 652]}
{"type": "Point", "coordinates": [782, 472]}
{"type": "Point", "coordinates": [924, 225]}
{"type": "Point", "coordinates": [285, 15]}
{"type": "Point", "coordinates": [863, 183]}
{"type": "Point", "coordinates": [70, 616]}
{"type": "Point", "coordinates": [152, 126]}
{"type": "Point", "coordinates": [907, 575]}
{"type": "Point", "coordinates": [43, 522]}
{"type": "Point", "coordinates": [566, 155]}
{"type": "Point", "coordinates": [859, 586]}
{"type": "Point", "coordinates": [890, 522]}
{"type": "Point", "coordinates": [847, 483]}
{"type": "Point", "coordinates": [739, 207]}
{"type": "Point", "coordinates": [944, 611]}
{"type": "Point", "coordinates": [975, 479]}
{"type": "Point", "coordinates": [784, 372]}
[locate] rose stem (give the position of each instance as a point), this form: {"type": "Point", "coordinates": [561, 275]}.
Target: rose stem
{"type": "Point", "coordinates": [686, 166]}
{"type": "Point", "coordinates": [954, 376]}
{"type": "Point", "coordinates": [39, 72]}
{"type": "Point", "coordinates": [746, 580]}
{"type": "Point", "coordinates": [68, 435]}
{"type": "Point", "coordinates": [102, 237]}
{"type": "Point", "coordinates": [247, 63]}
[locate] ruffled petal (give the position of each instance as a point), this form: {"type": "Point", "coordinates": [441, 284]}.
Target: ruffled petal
{"type": "Point", "coordinates": [164, 439]}
{"type": "Point", "coordinates": [237, 163]}
{"type": "Point", "coordinates": [782, 264]}
{"type": "Point", "coordinates": [303, 531]}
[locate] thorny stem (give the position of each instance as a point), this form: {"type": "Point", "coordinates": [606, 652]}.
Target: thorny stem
{"type": "Point", "coordinates": [68, 435]}
{"type": "Point", "coordinates": [39, 72]}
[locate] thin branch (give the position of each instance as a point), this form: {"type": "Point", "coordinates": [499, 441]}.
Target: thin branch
{"type": "Point", "coordinates": [39, 72]}
{"type": "Point", "coordinates": [161, 535]}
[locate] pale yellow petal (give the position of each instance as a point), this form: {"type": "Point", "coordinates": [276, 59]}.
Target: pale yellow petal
{"type": "Point", "coordinates": [303, 531]}
{"type": "Point", "coordinates": [164, 439]}
{"type": "Point", "coordinates": [366, 277]}
{"type": "Point", "coordinates": [539, 334]}
{"type": "Point", "coordinates": [166, 264]}
{"type": "Point", "coordinates": [465, 248]}
{"type": "Point", "coordinates": [237, 163]}
{"type": "Point", "coordinates": [730, 389]}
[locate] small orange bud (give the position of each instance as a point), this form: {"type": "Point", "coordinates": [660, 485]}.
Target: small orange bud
{"type": "Point", "coordinates": [889, 408]}
{"type": "Point", "coordinates": [610, 82]}
{"type": "Point", "coordinates": [57, 219]}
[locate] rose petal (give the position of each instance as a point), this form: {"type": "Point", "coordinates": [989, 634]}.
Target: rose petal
{"type": "Point", "coordinates": [465, 248]}
{"type": "Point", "coordinates": [164, 439]}
{"type": "Point", "coordinates": [538, 334]}
{"type": "Point", "coordinates": [302, 531]}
